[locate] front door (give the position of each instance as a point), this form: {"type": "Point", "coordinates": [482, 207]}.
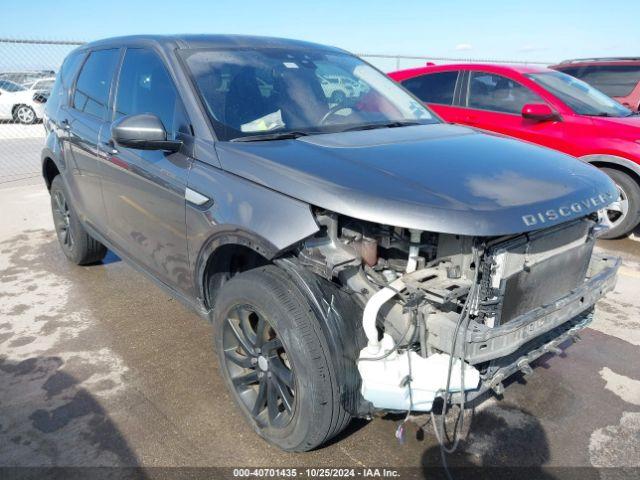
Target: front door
{"type": "Point", "coordinates": [494, 102]}
{"type": "Point", "coordinates": [144, 190]}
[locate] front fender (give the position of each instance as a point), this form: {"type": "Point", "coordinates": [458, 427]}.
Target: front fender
{"type": "Point", "coordinates": [240, 212]}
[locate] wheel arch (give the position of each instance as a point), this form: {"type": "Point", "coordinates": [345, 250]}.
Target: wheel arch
{"type": "Point", "coordinates": [615, 162]}
{"type": "Point", "coordinates": [225, 254]}
{"type": "Point", "coordinates": [50, 168]}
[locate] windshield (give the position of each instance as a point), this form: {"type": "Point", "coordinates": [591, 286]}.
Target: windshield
{"type": "Point", "coordinates": [8, 86]}
{"type": "Point", "coordinates": [581, 97]}
{"type": "Point", "coordinates": [42, 85]}
{"type": "Point", "coordinates": [272, 91]}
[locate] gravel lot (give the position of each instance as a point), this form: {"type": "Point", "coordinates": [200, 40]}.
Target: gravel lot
{"type": "Point", "coordinates": [98, 367]}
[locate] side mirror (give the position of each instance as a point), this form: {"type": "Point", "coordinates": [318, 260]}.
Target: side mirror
{"type": "Point", "coordinates": [539, 112]}
{"type": "Point", "coordinates": [143, 132]}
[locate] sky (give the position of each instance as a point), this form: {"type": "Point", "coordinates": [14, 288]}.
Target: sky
{"type": "Point", "coordinates": [540, 30]}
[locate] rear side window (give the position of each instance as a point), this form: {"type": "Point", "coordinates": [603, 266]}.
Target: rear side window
{"type": "Point", "coordinates": [70, 67]}
{"type": "Point", "coordinates": [146, 87]}
{"type": "Point", "coordinates": [94, 82]}
{"type": "Point", "coordinates": [63, 82]}
{"type": "Point", "coordinates": [499, 94]}
{"type": "Point", "coordinates": [614, 80]}
{"type": "Point", "coordinates": [433, 87]}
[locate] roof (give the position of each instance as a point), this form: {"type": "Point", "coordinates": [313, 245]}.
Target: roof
{"type": "Point", "coordinates": [491, 67]}
{"type": "Point", "coordinates": [211, 41]}
{"type": "Point", "coordinates": [599, 61]}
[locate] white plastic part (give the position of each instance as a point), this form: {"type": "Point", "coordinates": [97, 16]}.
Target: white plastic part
{"type": "Point", "coordinates": [414, 251]}
{"type": "Point", "coordinates": [384, 382]}
{"type": "Point", "coordinates": [371, 313]}
{"type": "Point", "coordinates": [384, 295]}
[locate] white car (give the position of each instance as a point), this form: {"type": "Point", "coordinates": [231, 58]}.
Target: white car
{"type": "Point", "coordinates": [43, 85]}
{"type": "Point", "coordinates": [20, 104]}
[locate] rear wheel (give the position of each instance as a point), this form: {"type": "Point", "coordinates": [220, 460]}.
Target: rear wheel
{"type": "Point", "coordinates": [624, 214]}
{"type": "Point", "coordinates": [275, 360]}
{"type": "Point", "coordinates": [76, 243]}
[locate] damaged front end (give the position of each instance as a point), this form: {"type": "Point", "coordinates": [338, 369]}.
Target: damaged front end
{"type": "Point", "coordinates": [445, 313]}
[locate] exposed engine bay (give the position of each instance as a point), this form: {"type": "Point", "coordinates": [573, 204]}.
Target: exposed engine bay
{"type": "Point", "coordinates": [451, 313]}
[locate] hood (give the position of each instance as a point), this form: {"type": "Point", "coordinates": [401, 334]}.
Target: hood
{"type": "Point", "coordinates": [632, 121]}
{"type": "Point", "coordinates": [440, 178]}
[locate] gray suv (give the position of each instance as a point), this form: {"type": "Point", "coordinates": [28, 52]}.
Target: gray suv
{"type": "Point", "coordinates": [354, 257]}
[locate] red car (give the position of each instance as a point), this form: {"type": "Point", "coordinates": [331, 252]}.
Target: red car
{"type": "Point", "coordinates": [545, 107]}
{"type": "Point", "coordinates": [617, 77]}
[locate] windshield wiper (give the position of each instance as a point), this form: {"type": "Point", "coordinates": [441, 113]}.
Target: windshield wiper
{"type": "Point", "coordinates": [265, 137]}
{"type": "Point", "coordinates": [372, 126]}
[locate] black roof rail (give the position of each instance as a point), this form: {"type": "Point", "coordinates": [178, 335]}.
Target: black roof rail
{"type": "Point", "coordinates": [600, 59]}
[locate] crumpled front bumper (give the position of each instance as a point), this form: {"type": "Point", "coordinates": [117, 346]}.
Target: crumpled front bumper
{"type": "Point", "coordinates": [512, 347]}
{"type": "Point", "coordinates": [485, 343]}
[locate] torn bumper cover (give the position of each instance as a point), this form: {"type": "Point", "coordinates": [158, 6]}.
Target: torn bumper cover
{"type": "Point", "coordinates": [549, 342]}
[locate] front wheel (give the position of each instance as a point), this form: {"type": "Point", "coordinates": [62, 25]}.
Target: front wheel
{"type": "Point", "coordinates": [624, 213]}
{"type": "Point", "coordinates": [275, 360]}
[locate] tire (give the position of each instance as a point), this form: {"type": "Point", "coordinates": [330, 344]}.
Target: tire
{"type": "Point", "coordinates": [78, 246]}
{"type": "Point", "coordinates": [265, 307]}
{"type": "Point", "coordinates": [625, 220]}
{"type": "Point", "coordinates": [24, 114]}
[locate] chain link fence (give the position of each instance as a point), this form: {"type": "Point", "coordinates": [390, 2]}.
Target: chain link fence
{"type": "Point", "coordinates": [27, 67]}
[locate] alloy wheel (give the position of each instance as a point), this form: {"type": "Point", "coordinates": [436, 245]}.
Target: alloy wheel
{"type": "Point", "coordinates": [617, 211]}
{"type": "Point", "coordinates": [259, 367]}
{"type": "Point", "coordinates": [25, 114]}
{"type": "Point", "coordinates": [62, 219]}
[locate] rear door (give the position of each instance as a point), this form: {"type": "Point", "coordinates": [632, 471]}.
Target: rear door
{"type": "Point", "coordinates": [144, 190]}
{"type": "Point", "coordinates": [494, 102]}
{"type": "Point", "coordinates": [83, 119]}
{"type": "Point", "coordinates": [440, 91]}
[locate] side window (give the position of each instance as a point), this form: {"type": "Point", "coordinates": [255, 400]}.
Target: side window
{"type": "Point", "coordinates": [497, 93]}
{"type": "Point", "coordinates": [60, 87]}
{"type": "Point", "coordinates": [433, 87]}
{"type": "Point", "coordinates": [146, 87]}
{"type": "Point", "coordinates": [69, 68]}
{"type": "Point", "coordinates": [94, 82]}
